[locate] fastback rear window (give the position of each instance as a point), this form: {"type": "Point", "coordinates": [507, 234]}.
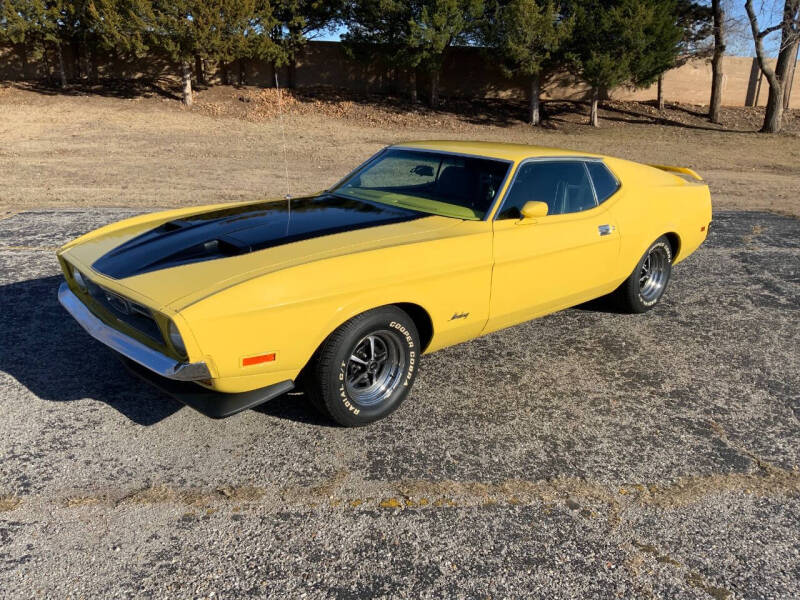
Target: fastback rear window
{"type": "Point", "coordinates": [605, 184]}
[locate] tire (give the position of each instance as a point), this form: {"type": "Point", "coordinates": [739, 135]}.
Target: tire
{"type": "Point", "coordinates": [642, 290]}
{"type": "Point", "coordinates": [365, 369]}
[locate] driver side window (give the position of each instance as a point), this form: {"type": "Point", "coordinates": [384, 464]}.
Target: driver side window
{"type": "Point", "coordinates": [563, 185]}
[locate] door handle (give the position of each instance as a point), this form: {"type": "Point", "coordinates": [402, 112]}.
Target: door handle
{"type": "Point", "coordinates": [605, 229]}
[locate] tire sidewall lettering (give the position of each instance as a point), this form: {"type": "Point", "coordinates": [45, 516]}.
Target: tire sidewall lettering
{"type": "Point", "coordinates": [410, 371]}
{"type": "Point", "coordinates": [403, 331]}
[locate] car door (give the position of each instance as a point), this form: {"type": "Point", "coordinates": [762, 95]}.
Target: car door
{"type": "Point", "coordinates": [545, 264]}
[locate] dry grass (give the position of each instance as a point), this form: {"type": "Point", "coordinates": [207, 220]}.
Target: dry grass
{"type": "Point", "coordinates": [9, 503]}
{"type": "Point", "coordinates": [345, 493]}
{"type": "Point", "coordinates": [84, 150]}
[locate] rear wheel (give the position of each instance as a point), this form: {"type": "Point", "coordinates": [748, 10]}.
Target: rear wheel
{"type": "Point", "coordinates": [648, 282]}
{"type": "Point", "coordinates": [365, 369]}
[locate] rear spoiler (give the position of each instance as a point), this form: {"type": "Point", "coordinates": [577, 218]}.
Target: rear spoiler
{"type": "Point", "coordinates": [679, 171]}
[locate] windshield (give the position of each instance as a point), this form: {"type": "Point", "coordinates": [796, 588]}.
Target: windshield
{"type": "Point", "coordinates": [438, 183]}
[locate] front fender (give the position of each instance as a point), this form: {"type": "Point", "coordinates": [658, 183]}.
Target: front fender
{"type": "Point", "coordinates": [291, 312]}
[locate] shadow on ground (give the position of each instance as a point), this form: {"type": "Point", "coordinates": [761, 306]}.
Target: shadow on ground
{"type": "Point", "coordinates": [50, 354]}
{"type": "Point", "coordinates": [108, 88]}
{"type": "Point", "coordinates": [234, 100]}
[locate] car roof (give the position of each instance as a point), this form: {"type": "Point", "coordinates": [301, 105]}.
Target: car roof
{"type": "Point", "coordinates": [501, 150]}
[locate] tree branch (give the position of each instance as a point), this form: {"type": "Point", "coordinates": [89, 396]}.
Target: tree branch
{"type": "Point", "coordinates": [757, 39]}
{"type": "Point", "coordinates": [764, 33]}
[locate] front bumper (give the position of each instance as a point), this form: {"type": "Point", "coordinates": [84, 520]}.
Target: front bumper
{"type": "Point", "coordinates": [132, 349]}
{"type": "Point", "coordinates": [216, 405]}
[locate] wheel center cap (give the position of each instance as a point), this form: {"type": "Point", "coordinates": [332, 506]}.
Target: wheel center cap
{"type": "Point", "coordinates": [372, 366]}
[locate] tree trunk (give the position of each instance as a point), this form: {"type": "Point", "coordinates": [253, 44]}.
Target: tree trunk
{"type": "Point", "coordinates": [412, 86]}
{"type": "Point", "coordinates": [716, 61]}
{"type": "Point", "coordinates": [292, 75]}
{"type": "Point", "coordinates": [593, 117]}
{"type": "Point", "coordinates": [534, 116]}
{"type": "Point", "coordinates": [23, 59]}
{"type": "Point", "coordinates": [661, 93]}
{"type": "Point", "coordinates": [62, 75]}
{"type": "Point", "coordinates": [198, 67]}
{"type": "Point", "coordinates": [784, 67]}
{"type": "Point", "coordinates": [789, 81]}
{"type": "Point", "coordinates": [91, 75]}
{"type": "Point", "coordinates": [434, 91]}
{"type": "Point", "coordinates": [186, 76]}
{"type": "Point", "coordinates": [47, 67]}
{"type": "Point", "coordinates": [77, 67]}
{"type": "Point", "coordinates": [242, 77]}
{"type": "Point", "coordinates": [773, 117]}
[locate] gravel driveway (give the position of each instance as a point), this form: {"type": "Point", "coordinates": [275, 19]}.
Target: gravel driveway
{"type": "Point", "coordinates": [586, 454]}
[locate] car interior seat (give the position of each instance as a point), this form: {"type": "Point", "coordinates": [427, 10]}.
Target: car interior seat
{"type": "Point", "coordinates": [457, 183]}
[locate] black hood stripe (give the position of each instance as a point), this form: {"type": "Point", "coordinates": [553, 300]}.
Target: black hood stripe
{"type": "Point", "coordinates": [244, 229]}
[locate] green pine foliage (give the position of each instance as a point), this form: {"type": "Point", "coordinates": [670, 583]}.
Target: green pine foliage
{"type": "Point", "coordinates": [411, 36]}
{"type": "Point", "coordinates": [623, 42]}
{"type": "Point", "coordinates": [608, 43]}
{"type": "Point", "coordinates": [121, 25]}
{"type": "Point", "coordinates": [529, 35]}
{"type": "Point", "coordinates": [299, 19]}
{"type": "Point", "coordinates": [696, 21]}
{"type": "Point", "coordinates": [528, 38]}
{"type": "Point", "coordinates": [39, 26]}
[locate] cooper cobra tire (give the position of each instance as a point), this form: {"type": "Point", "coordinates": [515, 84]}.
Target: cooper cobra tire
{"type": "Point", "coordinates": [648, 282]}
{"type": "Point", "coordinates": [365, 369]}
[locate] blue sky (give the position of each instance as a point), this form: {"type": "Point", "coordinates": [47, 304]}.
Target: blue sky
{"type": "Point", "coordinates": [739, 44]}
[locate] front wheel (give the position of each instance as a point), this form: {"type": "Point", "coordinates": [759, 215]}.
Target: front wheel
{"type": "Point", "coordinates": [365, 369]}
{"type": "Point", "coordinates": [648, 282]}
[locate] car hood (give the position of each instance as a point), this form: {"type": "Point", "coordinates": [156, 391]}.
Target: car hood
{"type": "Point", "coordinates": [175, 262]}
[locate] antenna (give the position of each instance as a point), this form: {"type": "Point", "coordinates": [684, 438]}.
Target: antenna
{"type": "Point", "coordinates": [285, 157]}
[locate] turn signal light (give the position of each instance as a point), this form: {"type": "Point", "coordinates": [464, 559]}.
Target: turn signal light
{"type": "Point", "coordinates": [257, 360]}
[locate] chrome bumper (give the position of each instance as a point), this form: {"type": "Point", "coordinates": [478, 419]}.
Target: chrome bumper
{"type": "Point", "coordinates": [129, 347]}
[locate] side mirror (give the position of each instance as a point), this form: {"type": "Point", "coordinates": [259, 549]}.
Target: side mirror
{"type": "Point", "coordinates": [534, 210]}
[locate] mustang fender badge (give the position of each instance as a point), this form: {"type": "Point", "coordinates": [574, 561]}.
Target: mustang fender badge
{"type": "Point", "coordinates": [459, 316]}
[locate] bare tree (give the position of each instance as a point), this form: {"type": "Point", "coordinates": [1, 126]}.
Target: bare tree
{"type": "Point", "coordinates": [787, 92]}
{"type": "Point", "coordinates": [716, 60]}
{"type": "Point", "coordinates": [790, 34]}
{"type": "Point", "coordinates": [787, 54]}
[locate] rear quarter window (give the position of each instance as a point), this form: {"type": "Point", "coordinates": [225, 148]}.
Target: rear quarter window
{"type": "Point", "coordinates": [605, 184]}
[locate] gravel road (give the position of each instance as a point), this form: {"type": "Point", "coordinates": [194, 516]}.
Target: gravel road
{"type": "Point", "coordinates": [588, 454]}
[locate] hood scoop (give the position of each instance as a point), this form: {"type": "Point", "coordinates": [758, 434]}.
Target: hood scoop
{"type": "Point", "coordinates": [243, 229]}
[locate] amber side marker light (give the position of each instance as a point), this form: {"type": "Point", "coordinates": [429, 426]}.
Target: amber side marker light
{"type": "Point", "coordinates": [257, 360]}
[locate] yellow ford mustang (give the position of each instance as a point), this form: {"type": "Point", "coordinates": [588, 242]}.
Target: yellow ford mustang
{"type": "Point", "coordinates": [423, 246]}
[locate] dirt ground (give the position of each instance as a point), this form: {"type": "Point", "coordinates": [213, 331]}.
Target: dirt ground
{"type": "Point", "coordinates": [588, 454]}
{"type": "Point", "coordinates": [139, 147]}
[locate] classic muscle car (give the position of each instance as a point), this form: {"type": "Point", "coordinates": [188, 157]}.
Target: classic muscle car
{"type": "Point", "coordinates": [423, 246]}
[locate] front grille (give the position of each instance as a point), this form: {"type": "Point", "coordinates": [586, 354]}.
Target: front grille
{"type": "Point", "coordinates": [126, 311]}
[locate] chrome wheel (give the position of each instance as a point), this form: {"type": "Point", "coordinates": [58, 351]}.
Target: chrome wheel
{"type": "Point", "coordinates": [375, 368]}
{"type": "Point", "coordinates": [654, 274]}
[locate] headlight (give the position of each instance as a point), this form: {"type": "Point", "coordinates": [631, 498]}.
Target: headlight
{"type": "Point", "coordinates": [175, 338]}
{"type": "Point", "coordinates": [80, 279]}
